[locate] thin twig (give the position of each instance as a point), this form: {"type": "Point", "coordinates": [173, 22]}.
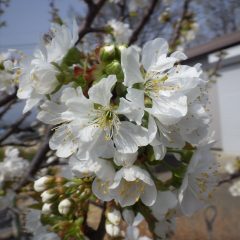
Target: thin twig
{"type": "Point", "coordinates": [7, 107]}
{"type": "Point", "coordinates": [18, 144]}
{"type": "Point", "coordinates": [37, 161]}
{"type": "Point", "coordinates": [177, 32]}
{"type": "Point", "coordinates": [8, 98]}
{"type": "Point", "coordinates": [142, 24]}
{"type": "Point", "coordinates": [230, 179]}
{"type": "Point", "coordinates": [93, 10]}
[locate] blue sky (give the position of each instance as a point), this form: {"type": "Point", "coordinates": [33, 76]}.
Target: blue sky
{"type": "Point", "coordinates": [28, 20]}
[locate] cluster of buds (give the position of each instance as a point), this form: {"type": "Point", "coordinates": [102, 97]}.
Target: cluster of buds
{"type": "Point", "coordinates": [62, 196]}
{"type": "Point", "coordinates": [113, 221]}
{"type": "Point", "coordinates": [110, 61]}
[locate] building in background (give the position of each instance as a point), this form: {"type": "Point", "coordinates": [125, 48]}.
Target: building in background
{"type": "Point", "coordinates": [224, 94]}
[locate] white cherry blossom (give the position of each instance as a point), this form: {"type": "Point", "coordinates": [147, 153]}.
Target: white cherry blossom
{"type": "Point", "coordinates": [132, 184]}
{"type": "Point", "coordinates": [121, 31]}
{"type": "Point", "coordinates": [13, 166]}
{"type": "Point", "coordinates": [132, 231]}
{"type": "Point", "coordinates": [199, 181]}
{"type": "Point", "coordinates": [39, 78]}
{"type": "Point", "coordinates": [91, 124]}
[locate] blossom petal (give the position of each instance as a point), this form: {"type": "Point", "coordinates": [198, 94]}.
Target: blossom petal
{"type": "Point", "coordinates": [63, 141]}
{"type": "Point", "coordinates": [101, 190]}
{"type": "Point", "coordinates": [130, 110]}
{"type": "Point", "coordinates": [130, 137]}
{"type": "Point", "coordinates": [101, 92]}
{"type": "Point", "coordinates": [125, 159]}
{"type": "Point", "coordinates": [152, 50]}
{"type": "Point", "coordinates": [169, 109]}
{"type": "Point", "coordinates": [149, 195]}
{"type": "Point", "coordinates": [131, 66]}
{"type": "Point", "coordinates": [51, 113]}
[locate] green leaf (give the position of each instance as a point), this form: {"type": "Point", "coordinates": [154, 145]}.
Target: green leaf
{"type": "Point", "coordinates": [73, 56]}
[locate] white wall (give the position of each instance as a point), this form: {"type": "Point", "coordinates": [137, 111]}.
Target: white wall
{"type": "Point", "coordinates": [228, 91]}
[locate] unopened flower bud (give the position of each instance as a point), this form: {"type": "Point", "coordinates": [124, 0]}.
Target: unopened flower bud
{"type": "Point", "coordinates": [112, 230]}
{"type": "Point", "coordinates": [107, 53]}
{"type": "Point", "coordinates": [46, 208]}
{"type": "Point", "coordinates": [114, 216]}
{"type": "Point", "coordinates": [42, 183]}
{"type": "Point", "coordinates": [48, 195]}
{"type": "Point", "coordinates": [114, 68]}
{"type": "Point", "coordinates": [64, 206]}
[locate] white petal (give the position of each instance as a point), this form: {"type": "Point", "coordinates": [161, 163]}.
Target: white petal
{"type": "Point", "coordinates": [63, 141]}
{"type": "Point", "coordinates": [131, 66]}
{"type": "Point", "coordinates": [128, 216]}
{"type": "Point", "coordinates": [101, 190]}
{"type": "Point", "coordinates": [169, 109]}
{"type": "Point", "coordinates": [88, 133]}
{"type": "Point", "coordinates": [152, 129]}
{"type": "Point", "coordinates": [132, 233]}
{"type": "Point", "coordinates": [190, 202]}
{"type": "Point", "coordinates": [138, 219]}
{"type": "Point", "coordinates": [165, 200]}
{"type": "Point", "coordinates": [159, 151]}
{"type": "Point", "coordinates": [125, 159]}
{"type": "Point", "coordinates": [149, 195]}
{"type": "Point", "coordinates": [51, 113]}
{"type": "Point", "coordinates": [152, 50]}
{"type": "Point", "coordinates": [131, 111]}
{"type": "Point", "coordinates": [101, 92]}
{"type": "Point", "coordinates": [179, 55]}
{"type": "Point", "coordinates": [130, 137]}
{"type": "Point", "coordinates": [32, 102]}
{"type": "Point", "coordinates": [162, 64]}
{"type": "Point", "coordinates": [136, 96]}
{"type": "Point", "coordinates": [126, 193]}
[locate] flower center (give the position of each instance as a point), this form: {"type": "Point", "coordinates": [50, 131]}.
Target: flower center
{"type": "Point", "coordinates": [106, 119]}
{"type": "Point", "coordinates": [157, 82]}
{"type": "Point", "coordinates": [133, 189]}
{"type": "Point", "coordinates": [154, 83]}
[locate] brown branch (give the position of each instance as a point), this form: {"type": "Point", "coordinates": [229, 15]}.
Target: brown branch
{"type": "Point", "coordinates": [93, 10]}
{"type": "Point", "coordinates": [13, 127]}
{"type": "Point", "coordinates": [142, 24]}
{"type": "Point", "coordinates": [8, 98]}
{"type": "Point", "coordinates": [122, 9]}
{"type": "Point", "coordinates": [230, 179]}
{"type": "Point", "coordinates": [177, 32]}
{"type": "Point", "coordinates": [37, 161]}
{"type": "Point", "coordinates": [7, 107]}
{"type": "Point", "coordinates": [19, 144]}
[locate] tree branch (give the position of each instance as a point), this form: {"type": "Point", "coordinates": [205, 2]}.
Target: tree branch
{"type": "Point", "coordinates": [37, 161]}
{"type": "Point", "coordinates": [231, 178]}
{"type": "Point", "coordinates": [142, 24]}
{"type": "Point", "coordinates": [177, 32]}
{"type": "Point", "coordinates": [7, 107]}
{"type": "Point", "coordinates": [8, 98]}
{"type": "Point", "coordinates": [93, 10]}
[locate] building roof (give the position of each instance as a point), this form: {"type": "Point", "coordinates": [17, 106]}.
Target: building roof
{"type": "Point", "coordinates": [214, 45]}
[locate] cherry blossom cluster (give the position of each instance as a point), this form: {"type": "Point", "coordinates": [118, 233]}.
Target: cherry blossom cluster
{"type": "Point", "coordinates": [12, 167]}
{"type": "Point", "coordinates": [118, 114]}
{"type": "Point", "coordinates": [9, 70]}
